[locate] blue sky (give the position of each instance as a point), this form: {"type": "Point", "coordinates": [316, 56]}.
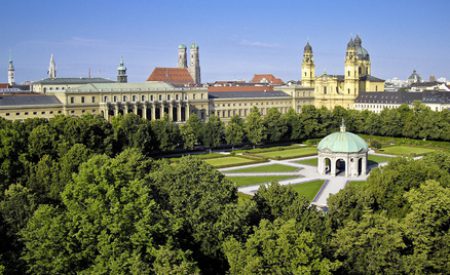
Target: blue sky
{"type": "Point", "coordinates": [237, 38]}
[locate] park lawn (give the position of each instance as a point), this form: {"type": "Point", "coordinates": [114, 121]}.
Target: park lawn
{"type": "Point", "coordinates": [404, 150]}
{"type": "Point", "coordinates": [266, 169]}
{"type": "Point", "coordinates": [246, 181]}
{"type": "Point", "coordinates": [312, 162]}
{"type": "Point", "coordinates": [228, 161]}
{"type": "Point", "coordinates": [209, 156]}
{"type": "Point", "coordinates": [242, 198]}
{"type": "Point", "coordinates": [374, 159]}
{"type": "Point", "coordinates": [290, 153]}
{"type": "Point", "coordinates": [308, 189]}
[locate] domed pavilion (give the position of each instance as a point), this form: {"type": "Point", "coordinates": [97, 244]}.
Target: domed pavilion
{"type": "Point", "coordinates": [342, 153]}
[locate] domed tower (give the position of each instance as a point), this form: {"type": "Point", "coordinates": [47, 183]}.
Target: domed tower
{"type": "Point", "coordinates": [351, 77]}
{"type": "Point", "coordinates": [362, 57]}
{"type": "Point", "coordinates": [194, 66]}
{"type": "Point", "coordinates": [182, 56]}
{"type": "Point", "coordinates": [308, 68]}
{"type": "Point", "coordinates": [122, 72]}
{"type": "Point", "coordinates": [52, 68]}
{"type": "Point", "coordinates": [11, 73]}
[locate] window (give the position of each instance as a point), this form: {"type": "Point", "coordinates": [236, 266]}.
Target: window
{"type": "Point", "coordinates": [160, 97]}
{"type": "Point", "coordinates": [59, 112]}
{"type": "Point", "coordinates": [348, 90]}
{"type": "Point", "coordinates": [201, 96]}
{"type": "Point", "coordinates": [305, 74]}
{"type": "Point", "coordinates": [193, 96]}
{"type": "Point", "coordinates": [325, 90]}
{"type": "Point", "coordinates": [348, 73]}
{"type": "Point", "coordinates": [83, 111]}
{"type": "Point", "coordinates": [17, 114]}
{"type": "Point", "coordinates": [7, 114]}
{"type": "Point", "coordinates": [43, 113]}
{"type": "Point", "coordinates": [82, 99]}
{"type": "Point", "coordinates": [176, 97]}
{"type": "Point", "coordinates": [115, 98]}
{"type": "Point", "coordinates": [151, 98]}
{"type": "Point", "coordinates": [168, 97]}
{"type": "Point", "coordinates": [134, 98]}
{"type": "Point", "coordinates": [105, 99]}
{"type": "Point", "coordinates": [359, 70]}
{"type": "Point", "coordinates": [72, 112]}
{"type": "Point", "coordinates": [34, 113]}
{"type": "Point", "coordinates": [143, 98]}
{"type": "Point", "coordinates": [26, 113]}
{"type": "Point", "coordinates": [124, 98]}
{"type": "Point", "coordinates": [93, 99]}
{"type": "Point", "coordinates": [72, 99]}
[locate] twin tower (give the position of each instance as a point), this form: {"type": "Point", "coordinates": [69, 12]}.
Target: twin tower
{"type": "Point", "coordinates": [194, 65]}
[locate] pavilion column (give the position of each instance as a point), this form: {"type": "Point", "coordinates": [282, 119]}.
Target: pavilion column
{"type": "Point", "coordinates": [179, 111]}
{"type": "Point", "coordinates": [135, 108]}
{"type": "Point", "coordinates": [170, 110]}
{"type": "Point", "coordinates": [320, 165]}
{"type": "Point", "coordinates": [347, 167]}
{"type": "Point", "coordinates": [144, 110]}
{"type": "Point", "coordinates": [333, 166]}
{"type": "Point", "coordinates": [154, 111]}
{"type": "Point", "coordinates": [364, 166]}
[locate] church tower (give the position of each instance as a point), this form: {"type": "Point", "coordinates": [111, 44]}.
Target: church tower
{"type": "Point", "coordinates": [11, 73]}
{"type": "Point", "coordinates": [308, 68]}
{"type": "Point", "coordinates": [182, 56]}
{"type": "Point", "coordinates": [351, 78]}
{"type": "Point", "coordinates": [122, 72]}
{"type": "Point", "coordinates": [194, 66]}
{"type": "Point", "coordinates": [52, 68]}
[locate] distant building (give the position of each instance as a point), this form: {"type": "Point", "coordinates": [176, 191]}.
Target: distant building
{"type": "Point", "coordinates": [60, 84]}
{"type": "Point", "coordinates": [376, 102]}
{"type": "Point", "coordinates": [122, 72]}
{"type": "Point", "coordinates": [267, 78]}
{"type": "Point", "coordinates": [429, 86]}
{"type": "Point", "coordinates": [414, 78]}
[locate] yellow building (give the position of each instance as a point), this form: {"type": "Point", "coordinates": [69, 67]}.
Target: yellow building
{"type": "Point", "coordinates": [341, 90]}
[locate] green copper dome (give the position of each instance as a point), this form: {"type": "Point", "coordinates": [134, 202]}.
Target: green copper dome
{"type": "Point", "coordinates": [181, 46]}
{"type": "Point", "coordinates": [343, 142]}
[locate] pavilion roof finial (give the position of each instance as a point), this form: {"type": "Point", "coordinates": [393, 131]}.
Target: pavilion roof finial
{"type": "Point", "coordinates": [343, 125]}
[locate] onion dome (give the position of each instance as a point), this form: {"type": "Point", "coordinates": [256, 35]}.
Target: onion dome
{"type": "Point", "coordinates": [350, 43]}
{"type": "Point", "coordinates": [308, 47]}
{"type": "Point", "coordinates": [181, 46]}
{"type": "Point", "coordinates": [194, 46]}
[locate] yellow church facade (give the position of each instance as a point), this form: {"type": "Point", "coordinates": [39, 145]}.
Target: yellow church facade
{"type": "Point", "coordinates": [341, 90]}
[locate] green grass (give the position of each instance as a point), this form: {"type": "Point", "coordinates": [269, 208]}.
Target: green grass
{"type": "Point", "coordinates": [267, 149]}
{"type": "Point", "coordinates": [246, 181]}
{"type": "Point", "coordinates": [228, 161]}
{"type": "Point", "coordinates": [290, 153]}
{"type": "Point", "coordinates": [266, 169]}
{"type": "Point", "coordinates": [308, 189]}
{"type": "Point", "coordinates": [404, 150]}
{"type": "Point", "coordinates": [209, 156]}
{"type": "Point", "coordinates": [243, 197]}
{"type": "Point", "coordinates": [373, 159]}
{"type": "Point", "coordinates": [312, 162]}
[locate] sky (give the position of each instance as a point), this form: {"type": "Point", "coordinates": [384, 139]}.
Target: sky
{"type": "Point", "coordinates": [237, 38]}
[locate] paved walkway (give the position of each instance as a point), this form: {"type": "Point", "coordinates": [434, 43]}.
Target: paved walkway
{"type": "Point", "coordinates": [306, 173]}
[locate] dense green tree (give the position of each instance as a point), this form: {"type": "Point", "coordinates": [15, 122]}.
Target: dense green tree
{"type": "Point", "coordinates": [213, 132]}
{"type": "Point", "coordinates": [234, 131]}
{"type": "Point", "coordinates": [427, 226]}
{"type": "Point", "coordinates": [10, 148]}
{"type": "Point", "coordinates": [167, 134]}
{"type": "Point", "coordinates": [372, 246]}
{"type": "Point", "coordinates": [17, 206]}
{"type": "Point", "coordinates": [191, 132]}
{"type": "Point", "coordinates": [254, 127]}
{"type": "Point", "coordinates": [295, 130]}
{"type": "Point", "coordinates": [42, 141]}
{"type": "Point", "coordinates": [275, 125]}
{"type": "Point", "coordinates": [277, 248]}
{"type": "Point", "coordinates": [173, 261]}
{"type": "Point", "coordinates": [310, 119]}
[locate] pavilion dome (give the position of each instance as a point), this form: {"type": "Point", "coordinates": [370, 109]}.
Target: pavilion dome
{"type": "Point", "coordinates": [343, 142]}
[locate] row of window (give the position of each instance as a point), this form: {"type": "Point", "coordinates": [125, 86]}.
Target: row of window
{"type": "Point", "coordinates": [134, 98]}
{"type": "Point", "coordinates": [256, 104]}
{"type": "Point", "coordinates": [34, 113]}
{"type": "Point", "coordinates": [241, 112]}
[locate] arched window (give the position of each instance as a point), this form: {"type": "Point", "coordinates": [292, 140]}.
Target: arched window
{"type": "Point", "coordinates": [359, 70]}
{"type": "Point", "coordinates": [348, 73]}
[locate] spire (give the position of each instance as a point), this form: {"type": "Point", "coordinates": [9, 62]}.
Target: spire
{"type": "Point", "coordinates": [122, 72]}
{"type": "Point", "coordinates": [11, 71]}
{"type": "Point", "coordinates": [52, 68]}
{"type": "Point", "coordinates": [343, 125]}
{"type": "Point", "coordinates": [308, 47]}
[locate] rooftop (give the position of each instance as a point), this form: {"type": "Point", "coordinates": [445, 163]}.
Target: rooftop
{"type": "Point", "coordinates": [127, 87]}
{"type": "Point", "coordinates": [243, 94]}
{"type": "Point", "coordinates": [176, 76]}
{"type": "Point", "coordinates": [342, 142]}
{"type": "Point", "coordinates": [73, 80]}
{"type": "Point", "coordinates": [28, 100]}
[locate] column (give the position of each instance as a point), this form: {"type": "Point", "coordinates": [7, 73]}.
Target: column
{"type": "Point", "coordinates": [320, 165]}
{"type": "Point", "coordinates": [135, 108]}
{"type": "Point", "coordinates": [364, 166]}
{"type": "Point", "coordinates": [144, 110]}
{"type": "Point", "coordinates": [170, 110]}
{"type": "Point", "coordinates": [188, 110]}
{"type": "Point", "coordinates": [347, 166]}
{"type": "Point", "coordinates": [179, 111]}
{"type": "Point", "coordinates": [333, 166]}
{"type": "Point", "coordinates": [154, 111]}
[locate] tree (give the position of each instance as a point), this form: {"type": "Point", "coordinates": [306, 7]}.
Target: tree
{"type": "Point", "coordinates": [295, 130]}
{"type": "Point", "coordinates": [254, 127]}
{"type": "Point", "coordinates": [213, 132]}
{"type": "Point", "coordinates": [275, 126]}
{"type": "Point", "coordinates": [278, 248]}
{"type": "Point", "coordinates": [234, 131]}
{"type": "Point", "coordinates": [173, 261]}
{"type": "Point", "coordinates": [10, 148]}
{"type": "Point", "coordinates": [191, 131]}
{"type": "Point", "coordinates": [42, 141]}
{"type": "Point", "coordinates": [374, 245]}
{"type": "Point", "coordinates": [428, 229]}
{"type": "Point", "coordinates": [167, 134]}
{"type": "Point", "coordinates": [17, 206]}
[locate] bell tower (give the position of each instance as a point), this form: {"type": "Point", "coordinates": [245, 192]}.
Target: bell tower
{"type": "Point", "coordinates": [11, 73]}
{"type": "Point", "coordinates": [182, 56]}
{"type": "Point", "coordinates": [122, 72]}
{"type": "Point", "coordinates": [308, 68]}
{"type": "Point", "coordinates": [194, 66]}
{"type": "Point", "coordinates": [351, 79]}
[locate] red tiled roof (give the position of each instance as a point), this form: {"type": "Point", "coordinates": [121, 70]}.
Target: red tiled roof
{"type": "Point", "coordinates": [4, 85]}
{"type": "Point", "coordinates": [240, 88]}
{"type": "Point", "coordinates": [257, 78]}
{"type": "Point", "coordinates": [178, 76]}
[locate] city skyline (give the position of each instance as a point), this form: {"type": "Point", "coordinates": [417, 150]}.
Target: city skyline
{"type": "Point", "coordinates": [240, 39]}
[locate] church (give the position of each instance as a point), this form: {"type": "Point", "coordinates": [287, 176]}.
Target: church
{"type": "Point", "coordinates": [341, 90]}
